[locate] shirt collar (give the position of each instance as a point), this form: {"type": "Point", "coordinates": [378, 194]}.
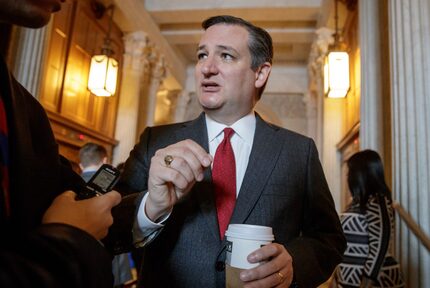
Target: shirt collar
{"type": "Point", "coordinates": [244, 127]}
{"type": "Point", "coordinates": [89, 170]}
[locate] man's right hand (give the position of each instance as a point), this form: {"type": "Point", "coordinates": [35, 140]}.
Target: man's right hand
{"type": "Point", "coordinates": [169, 183]}
{"type": "Point", "coordinates": [91, 215]}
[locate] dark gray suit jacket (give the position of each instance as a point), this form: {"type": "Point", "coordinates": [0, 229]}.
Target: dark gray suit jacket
{"type": "Point", "coordinates": [284, 187]}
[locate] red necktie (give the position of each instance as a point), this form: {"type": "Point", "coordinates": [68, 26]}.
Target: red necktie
{"type": "Point", "coordinates": [224, 180]}
{"type": "Point", "coordinates": [4, 160]}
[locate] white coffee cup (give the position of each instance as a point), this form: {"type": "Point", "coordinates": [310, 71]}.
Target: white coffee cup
{"type": "Point", "coordinates": [242, 240]}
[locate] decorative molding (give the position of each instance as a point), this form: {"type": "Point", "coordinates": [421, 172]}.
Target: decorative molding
{"type": "Point", "coordinates": [318, 52]}
{"type": "Point", "coordinates": [136, 45]}
{"type": "Point", "coordinates": [71, 131]}
{"type": "Point", "coordinates": [159, 70]}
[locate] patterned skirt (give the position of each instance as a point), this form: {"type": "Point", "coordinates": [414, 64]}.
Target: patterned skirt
{"type": "Point", "coordinates": [351, 274]}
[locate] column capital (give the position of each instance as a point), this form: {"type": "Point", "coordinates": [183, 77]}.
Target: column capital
{"type": "Point", "coordinates": [136, 45]}
{"type": "Point", "coordinates": [318, 52]}
{"type": "Point", "coordinates": [160, 69]}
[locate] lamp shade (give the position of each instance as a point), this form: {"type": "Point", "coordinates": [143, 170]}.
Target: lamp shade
{"type": "Point", "coordinates": [103, 75]}
{"type": "Point", "coordinates": [336, 74]}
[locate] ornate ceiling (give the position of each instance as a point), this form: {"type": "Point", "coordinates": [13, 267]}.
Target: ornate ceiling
{"type": "Point", "coordinates": [173, 26]}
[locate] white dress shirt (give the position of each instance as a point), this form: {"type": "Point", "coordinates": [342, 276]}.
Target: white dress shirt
{"type": "Point", "coordinates": [241, 142]}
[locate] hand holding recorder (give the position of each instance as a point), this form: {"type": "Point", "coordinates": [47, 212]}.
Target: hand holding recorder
{"type": "Point", "coordinates": [101, 182]}
{"type": "Point", "coordinates": [91, 214]}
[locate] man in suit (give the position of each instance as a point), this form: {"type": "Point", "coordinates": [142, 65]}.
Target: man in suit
{"type": "Point", "coordinates": [91, 157]}
{"type": "Point", "coordinates": [278, 179]}
{"type": "Point", "coordinates": [48, 238]}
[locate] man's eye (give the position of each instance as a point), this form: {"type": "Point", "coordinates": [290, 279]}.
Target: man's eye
{"type": "Point", "coordinates": [201, 56]}
{"type": "Point", "coordinates": [227, 56]}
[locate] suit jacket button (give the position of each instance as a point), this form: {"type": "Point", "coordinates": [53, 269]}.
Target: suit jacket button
{"type": "Point", "coordinates": [219, 266]}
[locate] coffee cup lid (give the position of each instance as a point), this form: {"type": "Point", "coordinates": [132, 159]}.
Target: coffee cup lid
{"type": "Point", "coordinates": [251, 232]}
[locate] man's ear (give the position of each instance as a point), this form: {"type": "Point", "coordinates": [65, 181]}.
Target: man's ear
{"type": "Point", "coordinates": [262, 74]}
{"type": "Point", "coordinates": [105, 160]}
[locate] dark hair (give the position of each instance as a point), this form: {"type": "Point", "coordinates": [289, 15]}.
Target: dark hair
{"type": "Point", "coordinates": [366, 178]}
{"type": "Point", "coordinates": [92, 154]}
{"type": "Point", "coordinates": [260, 42]}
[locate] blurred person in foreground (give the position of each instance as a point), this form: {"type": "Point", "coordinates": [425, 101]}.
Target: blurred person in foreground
{"type": "Point", "coordinates": [48, 238]}
{"type": "Point", "coordinates": [368, 224]}
{"type": "Point", "coordinates": [272, 177]}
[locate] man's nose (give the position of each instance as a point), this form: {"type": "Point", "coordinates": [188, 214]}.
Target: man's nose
{"type": "Point", "coordinates": [209, 66]}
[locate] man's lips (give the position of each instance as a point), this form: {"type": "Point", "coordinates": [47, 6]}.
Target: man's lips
{"type": "Point", "coordinates": [210, 86]}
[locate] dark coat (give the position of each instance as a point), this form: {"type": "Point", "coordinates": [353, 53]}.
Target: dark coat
{"type": "Point", "coordinates": [31, 254]}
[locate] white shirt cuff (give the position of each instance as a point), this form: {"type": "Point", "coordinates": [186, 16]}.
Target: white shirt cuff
{"type": "Point", "coordinates": [143, 227]}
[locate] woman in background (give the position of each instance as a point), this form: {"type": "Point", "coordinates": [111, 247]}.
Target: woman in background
{"type": "Point", "coordinates": [368, 224]}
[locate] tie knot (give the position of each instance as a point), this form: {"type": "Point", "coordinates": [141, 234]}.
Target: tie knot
{"type": "Point", "coordinates": [228, 132]}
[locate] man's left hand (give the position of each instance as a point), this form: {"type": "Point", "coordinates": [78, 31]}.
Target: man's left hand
{"type": "Point", "coordinates": [275, 271]}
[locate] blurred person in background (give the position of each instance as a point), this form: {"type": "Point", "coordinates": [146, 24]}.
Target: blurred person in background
{"type": "Point", "coordinates": [91, 157]}
{"type": "Point", "coordinates": [368, 224]}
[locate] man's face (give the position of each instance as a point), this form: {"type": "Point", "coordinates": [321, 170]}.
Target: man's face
{"type": "Point", "coordinates": [28, 13]}
{"type": "Point", "coordinates": [226, 85]}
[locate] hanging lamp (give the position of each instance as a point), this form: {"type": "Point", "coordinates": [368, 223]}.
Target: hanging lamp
{"type": "Point", "coordinates": [103, 74]}
{"type": "Point", "coordinates": [336, 67]}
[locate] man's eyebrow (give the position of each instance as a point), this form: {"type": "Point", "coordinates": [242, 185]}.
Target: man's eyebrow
{"type": "Point", "coordinates": [219, 47]}
{"type": "Point", "coordinates": [201, 47]}
{"type": "Point", "coordinates": [228, 48]}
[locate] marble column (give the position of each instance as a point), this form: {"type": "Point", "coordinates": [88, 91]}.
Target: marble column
{"type": "Point", "coordinates": [157, 76]}
{"type": "Point", "coordinates": [371, 112]}
{"type": "Point", "coordinates": [171, 105]}
{"type": "Point", "coordinates": [324, 38]}
{"type": "Point", "coordinates": [310, 99]}
{"type": "Point", "coordinates": [29, 58]}
{"type": "Point", "coordinates": [128, 106]}
{"type": "Point", "coordinates": [409, 27]}
{"type": "Point", "coordinates": [319, 50]}
{"type": "Point", "coordinates": [184, 99]}
{"type": "Point", "coordinates": [329, 114]}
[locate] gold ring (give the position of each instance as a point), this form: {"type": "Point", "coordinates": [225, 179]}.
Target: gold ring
{"type": "Point", "coordinates": [168, 160]}
{"type": "Point", "coordinates": [281, 277]}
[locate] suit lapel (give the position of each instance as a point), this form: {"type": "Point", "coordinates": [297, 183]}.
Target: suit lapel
{"type": "Point", "coordinates": [264, 154]}
{"type": "Point", "coordinates": [196, 130]}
